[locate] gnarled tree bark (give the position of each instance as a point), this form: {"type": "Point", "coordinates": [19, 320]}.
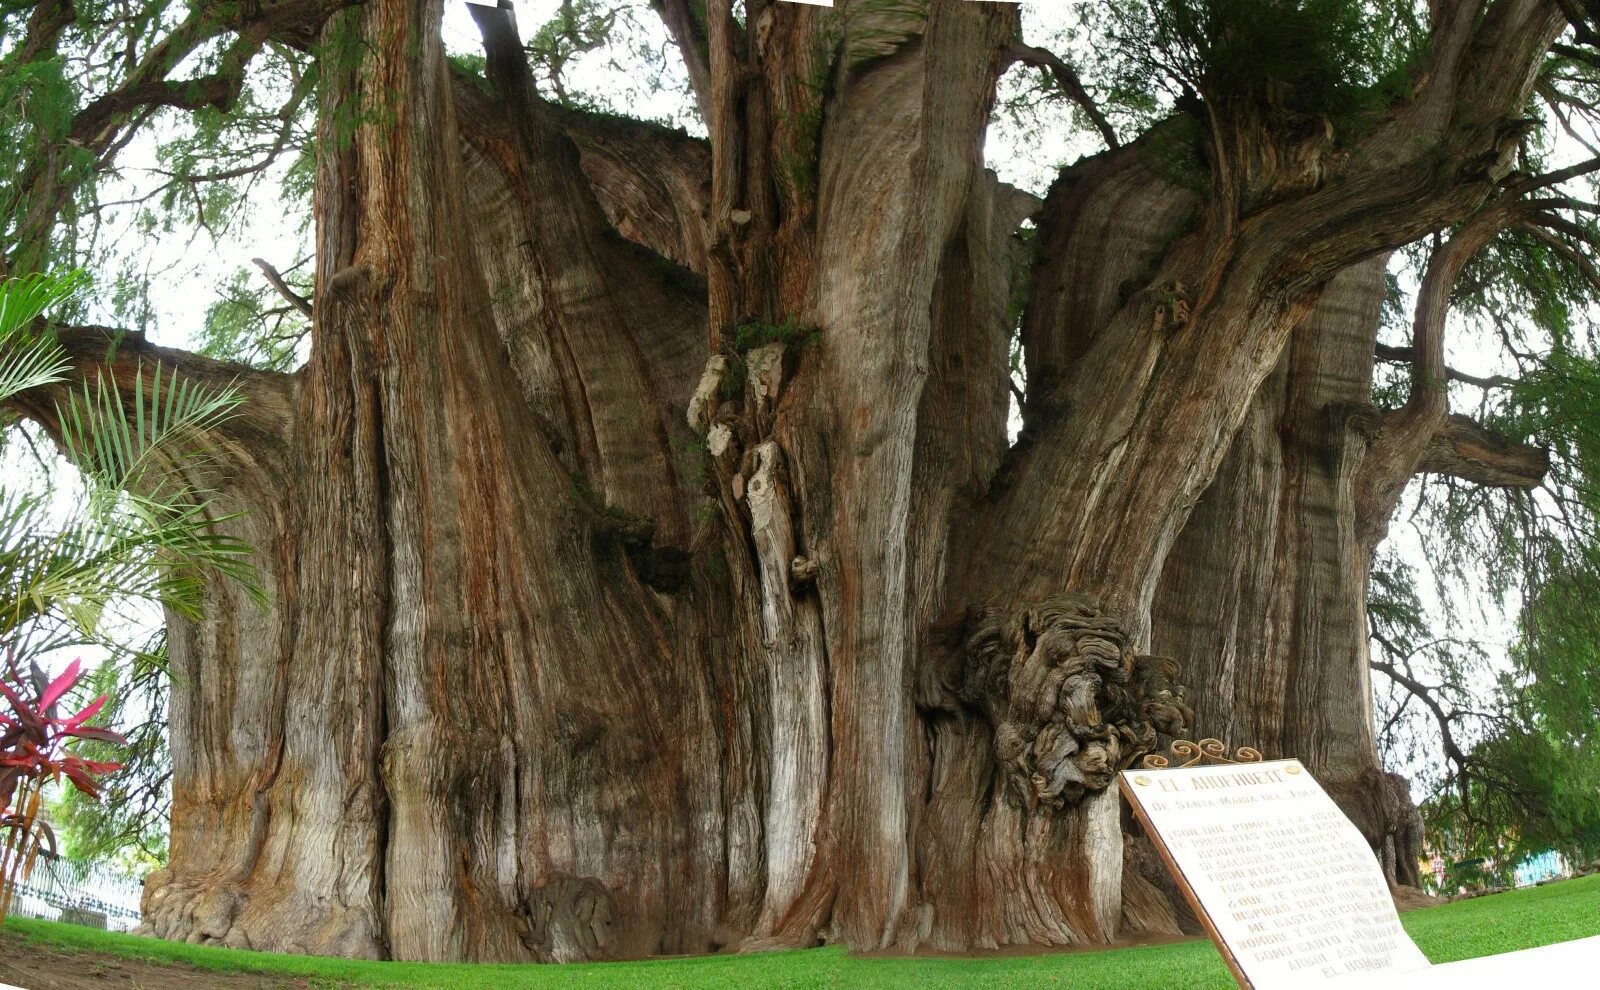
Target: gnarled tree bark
{"type": "Point", "coordinates": [651, 572]}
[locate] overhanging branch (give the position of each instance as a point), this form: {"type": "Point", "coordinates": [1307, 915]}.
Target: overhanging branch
{"type": "Point", "coordinates": [1420, 691]}
{"type": "Point", "coordinates": [275, 279]}
{"type": "Point", "coordinates": [1070, 84]}
{"type": "Point", "coordinates": [45, 25]}
{"type": "Point", "coordinates": [106, 124]}
{"type": "Point", "coordinates": [256, 433]}
{"type": "Point", "coordinates": [689, 34]}
{"type": "Point", "coordinates": [1464, 448]}
{"type": "Point", "coordinates": [1407, 437]}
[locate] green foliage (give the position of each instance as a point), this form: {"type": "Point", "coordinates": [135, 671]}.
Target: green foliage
{"type": "Point", "coordinates": [37, 103]}
{"type": "Point", "coordinates": [29, 358]}
{"type": "Point", "coordinates": [1534, 779]}
{"type": "Point", "coordinates": [1522, 287]}
{"type": "Point", "coordinates": [251, 324]}
{"type": "Point", "coordinates": [142, 531]}
{"type": "Point", "coordinates": [614, 41]}
{"type": "Point", "coordinates": [789, 333]}
{"type": "Point", "coordinates": [128, 828]}
{"type": "Point", "coordinates": [578, 27]}
{"type": "Point", "coordinates": [1294, 63]}
{"type": "Point", "coordinates": [470, 65]}
{"type": "Point", "coordinates": [70, 202]}
{"type": "Point", "coordinates": [1531, 731]}
{"type": "Point", "coordinates": [1526, 793]}
{"type": "Point", "coordinates": [1312, 58]}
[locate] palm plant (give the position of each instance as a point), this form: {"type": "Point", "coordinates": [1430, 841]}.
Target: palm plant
{"type": "Point", "coordinates": [140, 533]}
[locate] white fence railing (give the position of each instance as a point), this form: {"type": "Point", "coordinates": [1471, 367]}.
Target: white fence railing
{"type": "Point", "coordinates": [77, 892]}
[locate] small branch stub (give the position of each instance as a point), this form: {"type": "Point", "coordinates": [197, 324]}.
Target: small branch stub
{"type": "Point", "coordinates": [720, 440]}
{"type": "Point", "coordinates": [277, 281]}
{"type": "Point", "coordinates": [802, 570]}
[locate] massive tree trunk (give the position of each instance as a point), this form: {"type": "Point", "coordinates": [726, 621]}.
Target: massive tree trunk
{"type": "Point", "coordinates": [1271, 549]}
{"type": "Point", "coordinates": [1263, 598]}
{"type": "Point", "coordinates": [650, 571]}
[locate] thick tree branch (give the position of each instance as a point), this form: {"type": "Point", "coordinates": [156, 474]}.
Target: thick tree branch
{"type": "Point", "coordinates": [96, 127]}
{"type": "Point", "coordinates": [1070, 83]}
{"type": "Point", "coordinates": [622, 328]}
{"type": "Point", "coordinates": [577, 169]}
{"type": "Point", "coordinates": [1407, 435]}
{"type": "Point", "coordinates": [1464, 448]}
{"type": "Point", "coordinates": [1548, 179]}
{"type": "Point", "coordinates": [688, 32]}
{"type": "Point", "coordinates": [108, 122]}
{"type": "Point", "coordinates": [256, 434]}
{"type": "Point", "coordinates": [768, 118]}
{"type": "Point", "coordinates": [653, 183]}
{"type": "Point", "coordinates": [1427, 395]}
{"type": "Point", "coordinates": [1578, 18]}
{"type": "Point", "coordinates": [148, 85]}
{"type": "Point", "coordinates": [1480, 52]}
{"type": "Point", "coordinates": [1184, 347]}
{"type": "Point", "coordinates": [45, 25]}
{"type": "Point", "coordinates": [1439, 158]}
{"type": "Point", "coordinates": [1571, 255]}
{"type": "Point", "coordinates": [1087, 249]}
{"type": "Point", "coordinates": [1577, 54]}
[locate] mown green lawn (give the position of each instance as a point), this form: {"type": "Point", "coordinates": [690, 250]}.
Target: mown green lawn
{"type": "Point", "coordinates": [1501, 923]}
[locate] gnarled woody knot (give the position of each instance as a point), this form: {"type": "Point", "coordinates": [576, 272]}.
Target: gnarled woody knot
{"type": "Point", "coordinates": [1069, 702]}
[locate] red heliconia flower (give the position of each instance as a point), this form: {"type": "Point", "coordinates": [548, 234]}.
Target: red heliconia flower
{"type": "Point", "coordinates": [32, 735]}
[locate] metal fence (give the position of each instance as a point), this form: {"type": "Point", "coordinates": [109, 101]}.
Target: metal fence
{"type": "Point", "coordinates": [77, 892]}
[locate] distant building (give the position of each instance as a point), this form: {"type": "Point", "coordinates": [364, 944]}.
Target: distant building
{"type": "Point", "coordinates": [1537, 869]}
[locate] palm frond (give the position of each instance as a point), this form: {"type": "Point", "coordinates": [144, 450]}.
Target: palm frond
{"type": "Point", "coordinates": [144, 529]}
{"type": "Point", "coordinates": [29, 362]}
{"type": "Point", "coordinates": [25, 299]}
{"type": "Point", "coordinates": [143, 448]}
{"type": "Point", "coordinates": [29, 357]}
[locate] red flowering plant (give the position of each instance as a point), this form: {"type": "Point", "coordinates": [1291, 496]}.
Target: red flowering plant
{"type": "Point", "coordinates": [33, 754]}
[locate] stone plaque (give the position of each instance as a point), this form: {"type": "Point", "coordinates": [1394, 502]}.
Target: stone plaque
{"type": "Point", "coordinates": [1284, 883]}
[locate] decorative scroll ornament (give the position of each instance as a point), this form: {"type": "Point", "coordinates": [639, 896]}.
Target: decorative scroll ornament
{"type": "Point", "coordinates": [1189, 754]}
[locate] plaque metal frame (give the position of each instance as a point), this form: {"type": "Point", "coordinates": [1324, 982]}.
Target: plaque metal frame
{"type": "Point", "coordinates": [1193, 754]}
